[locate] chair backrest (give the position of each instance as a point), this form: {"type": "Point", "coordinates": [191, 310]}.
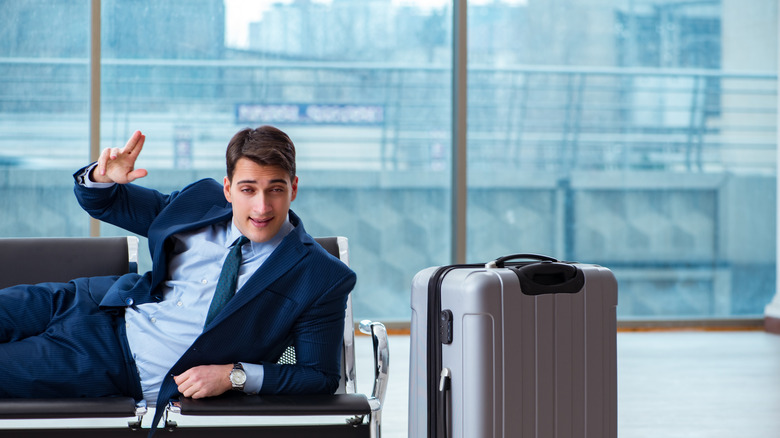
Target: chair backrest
{"type": "Point", "coordinates": [339, 248]}
{"type": "Point", "coordinates": [33, 260]}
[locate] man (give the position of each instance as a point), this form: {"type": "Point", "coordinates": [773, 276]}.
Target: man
{"type": "Point", "coordinates": [161, 335]}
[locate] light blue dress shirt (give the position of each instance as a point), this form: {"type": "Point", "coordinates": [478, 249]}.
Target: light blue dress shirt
{"type": "Point", "coordinates": [159, 333]}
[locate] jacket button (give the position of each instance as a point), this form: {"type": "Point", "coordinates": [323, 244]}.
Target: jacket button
{"type": "Point", "coordinates": [129, 301]}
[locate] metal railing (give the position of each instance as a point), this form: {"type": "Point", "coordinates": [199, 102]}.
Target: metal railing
{"type": "Point", "coordinates": [557, 119]}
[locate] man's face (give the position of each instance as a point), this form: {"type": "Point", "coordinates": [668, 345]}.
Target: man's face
{"type": "Point", "coordinates": [261, 197]}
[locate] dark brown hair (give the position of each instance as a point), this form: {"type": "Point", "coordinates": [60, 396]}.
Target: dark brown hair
{"type": "Point", "coordinates": [266, 146]}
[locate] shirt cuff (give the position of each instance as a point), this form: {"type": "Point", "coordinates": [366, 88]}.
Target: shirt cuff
{"type": "Point", "coordinates": [84, 181]}
{"type": "Point", "coordinates": [254, 377]}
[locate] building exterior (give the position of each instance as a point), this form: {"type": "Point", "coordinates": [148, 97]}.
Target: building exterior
{"type": "Point", "coordinates": [640, 135]}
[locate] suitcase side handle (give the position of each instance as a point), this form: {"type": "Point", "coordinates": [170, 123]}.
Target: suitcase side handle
{"type": "Point", "coordinates": [501, 261]}
{"type": "Point", "coordinates": [550, 278]}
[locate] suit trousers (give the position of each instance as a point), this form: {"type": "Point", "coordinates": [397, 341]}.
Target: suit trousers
{"type": "Point", "coordinates": [56, 342]}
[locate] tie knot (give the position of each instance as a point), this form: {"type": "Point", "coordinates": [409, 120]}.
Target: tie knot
{"type": "Point", "coordinates": [241, 241]}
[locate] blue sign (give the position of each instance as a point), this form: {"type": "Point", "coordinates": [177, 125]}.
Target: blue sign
{"type": "Point", "coordinates": [310, 114]}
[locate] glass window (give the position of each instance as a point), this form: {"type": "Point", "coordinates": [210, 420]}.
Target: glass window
{"type": "Point", "coordinates": [44, 116]}
{"type": "Point", "coordinates": [638, 135]}
{"type": "Point", "coordinates": [362, 88]}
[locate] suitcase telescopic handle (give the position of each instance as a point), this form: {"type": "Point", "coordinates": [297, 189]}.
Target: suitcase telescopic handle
{"type": "Point", "coordinates": [501, 261]}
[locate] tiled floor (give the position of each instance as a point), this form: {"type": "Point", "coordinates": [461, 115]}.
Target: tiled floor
{"type": "Point", "coordinates": [395, 412]}
{"type": "Point", "coordinates": [670, 385]}
{"type": "Point", "coordinates": [694, 384]}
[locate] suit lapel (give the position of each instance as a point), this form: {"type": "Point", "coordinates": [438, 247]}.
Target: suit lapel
{"type": "Point", "coordinates": [214, 215]}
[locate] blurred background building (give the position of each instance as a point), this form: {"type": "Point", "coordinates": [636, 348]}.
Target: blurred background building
{"type": "Point", "coordinates": [636, 134]}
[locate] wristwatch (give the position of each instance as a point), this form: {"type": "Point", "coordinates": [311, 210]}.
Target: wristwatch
{"type": "Point", "coordinates": [238, 377]}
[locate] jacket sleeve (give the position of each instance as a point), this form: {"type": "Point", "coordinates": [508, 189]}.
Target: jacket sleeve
{"type": "Point", "coordinates": [127, 206]}
{"type": "Point", "coordinates": [317, 336]}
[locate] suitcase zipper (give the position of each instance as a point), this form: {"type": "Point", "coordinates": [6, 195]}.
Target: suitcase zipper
{"type": "Point", "coordinates": [437, 426]}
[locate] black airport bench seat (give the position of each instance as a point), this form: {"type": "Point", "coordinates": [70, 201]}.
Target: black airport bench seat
{"type": "Point", "coordinates": [37, 260]}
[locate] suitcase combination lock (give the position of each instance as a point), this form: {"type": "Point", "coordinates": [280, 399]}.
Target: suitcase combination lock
{"type": "Point", "coordinates": [445, 326]}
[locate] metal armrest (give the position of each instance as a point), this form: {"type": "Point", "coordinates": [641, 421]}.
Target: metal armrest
{"type": "Point", "coordinates": [378, 334]}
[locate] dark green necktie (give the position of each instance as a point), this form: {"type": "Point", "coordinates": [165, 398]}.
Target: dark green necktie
{"type": "Point", "coordinates": [228, 279]}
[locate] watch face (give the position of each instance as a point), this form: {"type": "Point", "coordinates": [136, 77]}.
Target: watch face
{"type": "Point", "coordinates": [237, 377]}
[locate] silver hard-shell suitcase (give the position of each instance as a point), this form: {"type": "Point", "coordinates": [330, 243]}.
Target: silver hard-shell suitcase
{"type": "Point", "coordinates": [514, 350]}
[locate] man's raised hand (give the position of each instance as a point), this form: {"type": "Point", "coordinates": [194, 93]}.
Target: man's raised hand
{"type": "Point", "coordinates": [118, 165]}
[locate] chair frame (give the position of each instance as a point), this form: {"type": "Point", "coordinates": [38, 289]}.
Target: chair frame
{"type": "Point", "coordinates": [15, 253]}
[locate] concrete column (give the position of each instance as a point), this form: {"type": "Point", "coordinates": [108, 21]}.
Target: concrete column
{"type": "Point", "coordinates": [742, 28]}
{"type": "Point", "coordinates": [772, 311]}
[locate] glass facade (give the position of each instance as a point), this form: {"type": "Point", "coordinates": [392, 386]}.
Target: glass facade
{"type": "Point", "coordinates": [637, 134]}
{"type": "Point", "coordinates": [44, 115]}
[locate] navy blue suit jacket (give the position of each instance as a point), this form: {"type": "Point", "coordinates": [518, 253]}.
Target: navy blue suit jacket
{"type": "Point", "coordinates": [297, 296]}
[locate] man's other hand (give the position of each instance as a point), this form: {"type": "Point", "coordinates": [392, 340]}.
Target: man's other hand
{"type": "Point", "coordinates": [204, 381]}
{"type": "Point", "coordinates": [118, 165]}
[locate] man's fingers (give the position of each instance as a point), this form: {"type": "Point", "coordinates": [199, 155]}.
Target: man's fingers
{"type": "Point", "coordinates": [189, 385]}
{"type": "Point", "coordinates": [103, 161]}
{"type": "Point", "coordinates": [133, 142]}
{"type": "Point", "coordinates": [135, 148]}
{"type": "Point", "coordinates": [139, 145]}
{"type": "Point", "coordinates": [204, 381]}
{"type": "Point", "coordinates": [182, 381]}
{"type": "Point", "coordinates": [137, 173]}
